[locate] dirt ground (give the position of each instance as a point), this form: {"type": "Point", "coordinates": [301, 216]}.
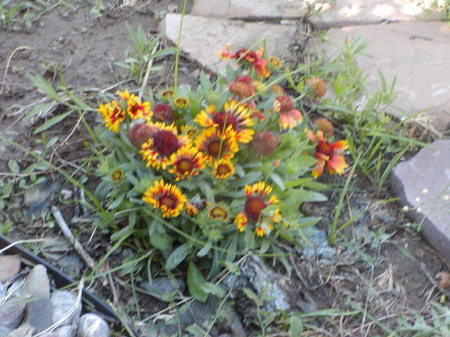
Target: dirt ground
{"type": "Point", "coordinates": [383, 268]}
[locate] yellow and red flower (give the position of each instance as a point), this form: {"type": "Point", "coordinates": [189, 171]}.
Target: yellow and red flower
{"type": "Point", "coordinates": [261, 229]}
{"type": "Point", "coordinates": [167, 94]}
{"type": "Point", "coordinates": [242, 86]}
{"type": "Point", "coordinates": [223, 168]}
{"type": "Point", "coordinates": [167, 197]}
{"type": "Point", "coordinates": [258, 197]}
{"type": "Point", "coordinates": [191, 209]}
{"type": "Point", "coordinates": [329, 155]}
{"type": "Point", "coordinates": [241, 221]}
{"type": "Point", "coordinates": [217, 145]}
{"type": "Point", "coordinates": [289, 117]}
{"type": "Point", "coordinates": [187, 161]}
{"type": "Point", "coordinates": [249, 57]}
{"type": "Point", "coordinates": [137, 109]}
{"type": "Point", "coordinates": [112, 114]}
{"type": "Point", "coordinates": [235, 116]}
{"type": "Point", "coordinates": [164, 142]}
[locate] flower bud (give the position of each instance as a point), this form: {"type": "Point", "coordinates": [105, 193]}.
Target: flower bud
{"type": "Point", "coordinates": [325, 126]}
{"type": "Point", "coordinates": [265, 142]}
{"type": "Point", "coordinates": [283, 104]}
{"type": "Point", "coordinates": [140, 133]}
{"type": "Point", "coordinates": [318, 86]}
{"type": "Point", "coordinates": [163, 113]}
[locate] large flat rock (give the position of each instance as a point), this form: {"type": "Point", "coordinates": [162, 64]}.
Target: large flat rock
{"type": "Point", "coordinates": [423, 184]}
{"type": "Point", "coordinates": [202, 38]}
{"type": "Point", "coordinates": [250, 9]}
{"type": "Point", "coordinates": [364, 12]}
{"type": "Point", "coordinates": [417, 53]}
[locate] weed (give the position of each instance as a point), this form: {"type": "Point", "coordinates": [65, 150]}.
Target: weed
{"type": "Point", "coordinates": [145, 51]}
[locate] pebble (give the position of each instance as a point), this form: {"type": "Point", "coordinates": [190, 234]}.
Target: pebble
{"type": "Point", "coordinates": [66, 331]}
{"type": "Point", "coordinates": [9, 266]}
{"type": "Point", "coordinates": [92, 325]}
{"type": "Point", "coordinates": [63, 301]}
{"type": "Point", "coordinates": [4, 331]}
{"type": "Point", "coordinates": [25, 330]}
{"type": "Point", "coordinates": [12, 312]}
{"type": "Point", "coordinates": [2, 290]}
{"type": "Point", "coordinates": [37, 283]}
{"type": "Point", "coordinates": [39, 314]}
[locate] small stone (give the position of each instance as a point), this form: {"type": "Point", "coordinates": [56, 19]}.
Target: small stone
{"type": "Point", "coordinates": [2, 290]}
{"type": "Point", "coordinates": [163, 288]}
{"type": "Point", "coordinates": [9, 266]}
{"type": "Point", "coordinates": [64, 301]}
{"type": "Point", "coordinates": [39, 314]}
{"type": "Point", "coordinates": [12, 312]}
{"type": "Point", "coordinates": [37, 283]}
{"type": "Point", "coordinates": [92, 325]}
{"type": "Point", "coordinates": [430, 169]}
{"type": "Point", "coordinates": [319, 247]}
{"type": "Point", "coordinates": [25, 330]}
{"type": "Point", "coordinates": [67, 331]}
{"type": "Point", "coordinates": [39, 198]}
{"type": "Point", "coordinates": [444, 280]}
{"type": "Point", "coordinates": [4, 331]}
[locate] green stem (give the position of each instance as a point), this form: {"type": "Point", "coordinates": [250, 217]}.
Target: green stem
{"type": "Point", "coordinates": [177, 53]}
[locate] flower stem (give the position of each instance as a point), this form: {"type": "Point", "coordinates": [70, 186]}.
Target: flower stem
{"type": "Point", "coordinates": [177, 53]}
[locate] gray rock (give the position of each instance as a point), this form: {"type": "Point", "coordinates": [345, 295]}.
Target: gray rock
{"type": "Point", "coordinates": [397, 49]}
{"type": "Point", "coordinates": [67, 331]}
{"type": "Point", "coordinates": [2, 290]}
{"type": "Point", "coordinates": [423, 185]}
{"type": "Point", "coordinates": [256, 9]}
{"type": "Point", "coordinates": [24, 331]}
{"type": "Point", "coordinates": [266, 280]}
{"type": "Point", "coordinates": [39, 198]}
{"type": "Point", "coordinates": [9, 266]}
{"type": "Point", "coordinates": [319, 247]}
{"type": "Point", "coordinates": [63, 302]}
{"type": "Point", "coordinates": [39, 313]}
{"type": "Point", "coordinates": [12, 312]}
{"type": "Point", "coordinates": [356, 12]}
{"type": "Point", "coordinates": [37, 283]}
{"type": "Point", "coordinates": [163, 288]}
{"type": "Point", "coordinates": [201, 314]}
{"type": "Point", "coordinates": [4, 331]}
{"type": "Point", "coordinates": [92, 325]}
{"type": "Point", "coordinates": [202, 38]}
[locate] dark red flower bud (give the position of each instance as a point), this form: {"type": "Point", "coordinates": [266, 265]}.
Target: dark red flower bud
{"type": "Point", "coordinates": [265, 142]}
{"type": "Point", "coordinates": [140, 133]}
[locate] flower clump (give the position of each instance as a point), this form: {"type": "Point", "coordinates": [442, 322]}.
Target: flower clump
{"type": "Point", "coordinates": [220, 162]}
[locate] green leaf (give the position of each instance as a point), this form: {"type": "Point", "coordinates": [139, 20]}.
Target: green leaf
{"type": "Point", "coordinates": [195, 281]}
{"type": "Point", "coordinates": [232, 267]}
{"type": "Point", "coordinates": [249, 178]}
{"type": "Point", "coordinates": [213, 289]}
{"type": "Point", "coordinates": [177, 256]}
{"type": "Point", "coordinates": [13, 166]}
{"type": "Point", "coordinates": [161, 241]}
{"type": "Point", "coordinates": [206, 190]}
{"type": "Point", "coordinates": [52, 121]}
{"type": "Point", "coordinates": [295, 326]}
{"type": "Point", "coordinates": [206, 248]}
{"type": "Point", "coordinates": [277, 180]}
{"type": "Point", "coordinates": [118, 235]}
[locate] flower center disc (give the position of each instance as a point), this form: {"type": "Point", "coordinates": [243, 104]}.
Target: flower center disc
{"type": "Point", "coordinates": [223, 170]}
{"type": "Point", "coordinates": [168, 201]}
{"type": "Point", "coordinates": [253, 207]}
{"type": "Point", "coordinates": [213, 148]}
{"type": "Point", "coordinates": [225, 119]}
{"type": "Point", "coordinates": [324, 147]}
{"type": "Point", "coordinates": [218, 213]}
{"type": "Point", "coordinates": [165, 142]}
{"type": "Point", "coordinates": [185, 165]}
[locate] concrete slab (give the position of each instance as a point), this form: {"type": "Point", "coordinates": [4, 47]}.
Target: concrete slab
{"type": "Point", "coordinates": [423, 184]}
{"type": "Point", "coordinates": [202, 38]}
{"type": "Point", "coordinates": [250, 9]}
{"type": "Point", "coordinates": [417, 53]}
{"type": "Point", "coordinates": [364, 12]}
